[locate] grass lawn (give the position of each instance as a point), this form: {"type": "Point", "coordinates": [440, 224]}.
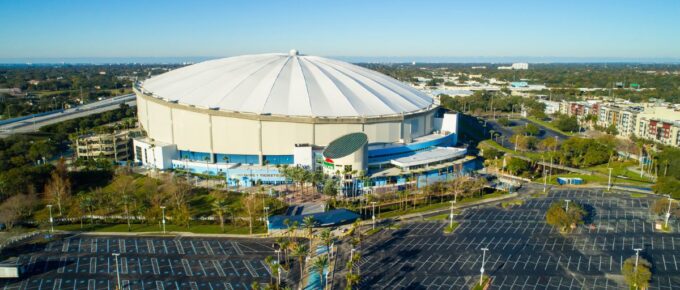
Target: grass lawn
{"type": "Point", "coordinates": [594, 179]}
{"type": "Point", "coordinates": [449, 229]}
{"type": "Point", "coordinates": [435, 206]}
{"type": "Point", "coordinates": [548, 125]}
{"type": "Point", "coordinates": [493, 144]}
{"type": "Point", "coordinates": [484, 282]}
{"type": "Point", "coordinates": [139, 228]}
{"type": "Point", "coordinates": [511, 203]}
{"type": "Point", "coordinates": [621, 169]}
{"type": "Point", "coordinates": [440, 217]}
{"type": "Point", "coordinates": [638, 195]}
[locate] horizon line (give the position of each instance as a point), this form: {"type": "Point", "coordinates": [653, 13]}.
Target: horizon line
{"type": "Point", "coordinates": [353, 59]}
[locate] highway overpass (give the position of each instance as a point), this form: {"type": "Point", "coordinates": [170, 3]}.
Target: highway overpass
{"type": "Point", "coordinates": [33, 123]}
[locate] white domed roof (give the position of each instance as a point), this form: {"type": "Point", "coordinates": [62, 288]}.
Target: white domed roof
{"type": "Point", "coordinates": [287, 84]}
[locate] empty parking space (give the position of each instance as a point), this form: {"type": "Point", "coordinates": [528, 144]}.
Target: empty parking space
{"type": "Point", "coordinates": [524, 252]}
{"type": "Point", "coordinates": [87, 262]}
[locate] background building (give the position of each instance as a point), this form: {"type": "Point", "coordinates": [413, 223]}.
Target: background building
{"type": "Point", "coordinates": [116, 146]}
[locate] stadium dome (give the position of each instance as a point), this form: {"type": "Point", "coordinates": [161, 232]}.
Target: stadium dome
{"type": "Point", "coordinates": [266, 108]}
{"type": "Point", "coordinates": [287, 84]}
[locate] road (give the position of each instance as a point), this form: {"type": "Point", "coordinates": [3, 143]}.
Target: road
{"type": "Point", "coordinates": [35, 123]}
{"type": "Point", "coordinates": [507, 132]}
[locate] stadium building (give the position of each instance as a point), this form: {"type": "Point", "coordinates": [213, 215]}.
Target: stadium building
{"type": "Point", "coordinates": [243, 117]}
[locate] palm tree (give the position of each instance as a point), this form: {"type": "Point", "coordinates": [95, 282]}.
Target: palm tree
{"type": "Point", "coordinates": [220, 207]}
{"type": "Point", "coordinates": [319, 266]}
{"type": "Point", "coordinates": [300, 251]}
{"type": "Point", "coordinates": [269, 260]}
{"type": "Point", "coordinates": [285, 245]}
{"type": "Point", "coordinates": [309, 222]}
{"type": "Point", "coordinates": [326, 237]}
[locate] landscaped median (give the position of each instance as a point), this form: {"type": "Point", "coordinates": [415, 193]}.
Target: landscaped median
{"type": "Point", "coordinates": [155, 229]}
{"type": "Point", "coordinates": [418, 211]}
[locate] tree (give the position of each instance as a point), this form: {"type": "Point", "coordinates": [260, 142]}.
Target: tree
{"type": "Point", "coordinates": [548, 144]}
{"type": "Point", "coordinates": [522, 142]}
{"type": "Point", "coordinates": [123, 185]}
{"type": "Point", "coordinates": [58, 188]}
{"type": "Point", "coordinates": [491, 153]}
{"type": "Point", "coordinates": [660, 207]}
{"type": "Point", "coordinates": [637, 277]}
{"type": "Point", "coordinates": [517, 166]}
{"type": "Point", "coordinates": [300, 251]}
{"type": "Point", "coordinates": [219, 207]}
{"type": "Point", "coordinates": [17, 207]}
{"type": "Point", "coordinates": [251, 207]}
{"type": "Point", "coordinates": [319, 266]}
{"type": "Point", "coordinates": [530, 129]}
{"type": "Point", "coordinates": [326, 238]}
{"type": "Point", "coordinates": [308, 223]}
{"type": "Point", "coordinates": [558, 217]}
{"type": "Point", "coordinates": [566, 123]}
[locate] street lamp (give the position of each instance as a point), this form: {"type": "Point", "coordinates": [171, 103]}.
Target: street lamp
{"type": "Point", "coordinates": [545, 179]}
{"type": "Point", "coordinates": [481, 270]}
{"type": "Point", "coordinates": [668, 213]}
{"type": "Point", "coordinates": [351, 254]}
{"type": "Point", "coordinates": [373, 214]}
{"type": "Point", "coordinates": [49, 206]}
{"type": "Point", "coordinates": [278, 256]}
{"type": "Point", "coordinates": [451, 214]}
{"type": "Point", "coordinates": [266, 218]}
{"type": "Point", "coordinates": [567, 201]}
{"type": "Point", "coordinates": [163, 222]}
{"type": "Point", "coordinates": [115, 256]}
{"type": "Point", "coordinates": [637, 257]}
{"type": "Point", "coordinates": [609, 183]}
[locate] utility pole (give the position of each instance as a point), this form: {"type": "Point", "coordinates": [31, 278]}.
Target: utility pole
{"type": "Point", "coordinates": [115, 256]}
{"type": "Point", "coordinates": [163, 222]}
{"type": "Point", "coordinates": [49, 206]}
{"type": "Point", "coordinates": [481, 277]}
{"type": "Point", "coordinates": [609, 183]}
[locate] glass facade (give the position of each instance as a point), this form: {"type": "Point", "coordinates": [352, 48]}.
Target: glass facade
{"type": "Point", "coordinates": [194, 156]}
{"type": "Point", "coordinates": [278, 159]}
{"type": "Point", "coordinates": [237, 158]}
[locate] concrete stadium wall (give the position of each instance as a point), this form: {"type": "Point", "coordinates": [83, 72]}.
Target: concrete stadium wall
{"type": "Point", "coordinates": [209, 131]}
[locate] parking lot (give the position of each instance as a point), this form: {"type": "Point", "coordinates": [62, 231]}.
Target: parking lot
{"type": "Point", "coordinates": [523, 251]}
{"type": "Point", "coordinates": [86, 262]}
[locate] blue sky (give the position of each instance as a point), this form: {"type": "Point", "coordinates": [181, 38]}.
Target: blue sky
{"type": "Point", "coordinates": [32, 29]}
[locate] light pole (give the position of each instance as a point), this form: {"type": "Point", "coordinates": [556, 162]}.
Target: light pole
{"type": "Point", "coordinates": [668, 213]}
{"type": "Point", "coordinates": [49, 206]}
{"type": "Point", "coordinates": [567, 201]}
{"type": "Point", "coordinates": [278, 256]}
{"type": "Point", "coordinates": [163, 222]}
{"type": "Point", "coordinates": [481, 270]}
{"type": "Point", "coordinates": [545, 180]}
{"type": "Point", "coordinates": [373, 214]}
{"type": "Point", "coordinates": [637, 257]}
{"type": "Point", "coordinates": [266, 218]}
{"type": "Point", "coordinates": [609, 183]}
{"type": "Point", "coordinates": [351, 254]}
{"type": "Point", "coordinates": [451, 214]}
{"type": "Point", "coordinates": [115, 256]}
